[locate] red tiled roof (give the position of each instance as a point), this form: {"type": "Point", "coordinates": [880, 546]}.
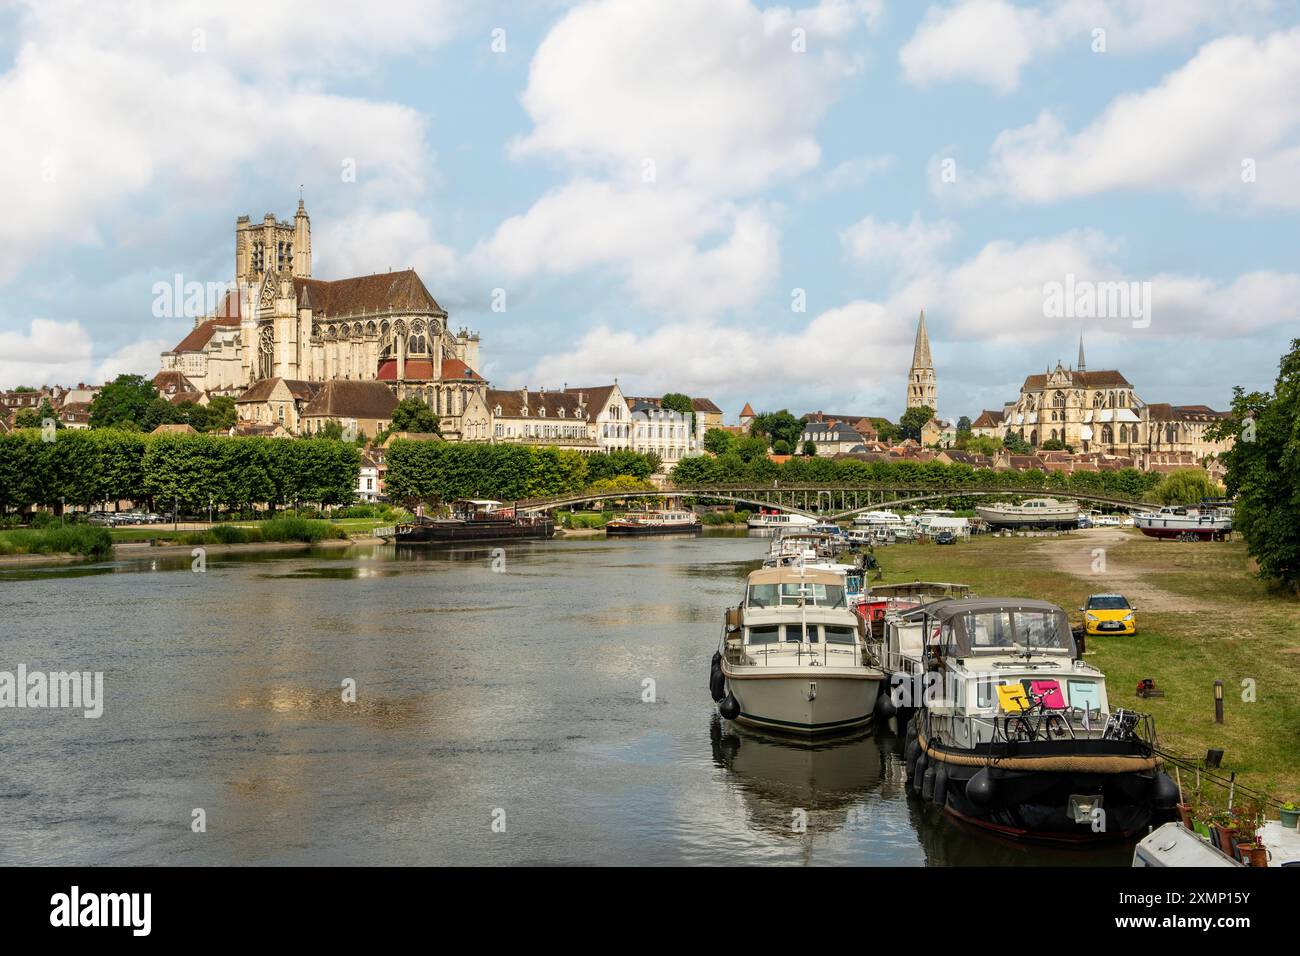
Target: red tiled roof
{"type": "Point", "coordinates": [199, 336]}
{"type": "Point", "coordinates": [339, 398]}
{"type": "Point", "coordinates": [455, 368]}
{"type": "Point", "coordinates": [987, 419]}
{"type": "Point", "coordinates": [511, 403]}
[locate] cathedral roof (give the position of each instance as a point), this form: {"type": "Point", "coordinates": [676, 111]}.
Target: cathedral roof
{"type": "Point", "coordinates": [1107, 378]}
{"type": "Point", "coordinates": [198, 337]}
{"type": "Point", "coordinates": [400, 291]}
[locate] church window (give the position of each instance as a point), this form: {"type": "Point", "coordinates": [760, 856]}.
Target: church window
{"type": "Point", "coordinates": [1123, 433]}
{"type": "Point", "coordinates": [1107, 435]}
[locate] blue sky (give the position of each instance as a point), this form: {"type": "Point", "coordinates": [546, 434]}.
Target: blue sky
{"type": "Point", "coordinates": [792, 148]}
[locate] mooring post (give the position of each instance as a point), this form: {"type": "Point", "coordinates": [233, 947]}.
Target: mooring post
{"type": "Point", "coordinates": [1218, 701]}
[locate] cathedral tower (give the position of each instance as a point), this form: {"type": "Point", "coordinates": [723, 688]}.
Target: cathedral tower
{"type": "Point", "coordinates": [922, 389]}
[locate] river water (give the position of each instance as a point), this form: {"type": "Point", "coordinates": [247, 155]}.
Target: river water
{"type": "Point", "coordinates": [501, 717]}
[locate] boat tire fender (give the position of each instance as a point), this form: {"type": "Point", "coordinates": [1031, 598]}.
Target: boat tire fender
{"type": "Point", "coordinates": [717, 680]}
{"type": "Point", "coordinates": [982, 789]}
{"type": "Point", "coordinates": [941, 787]}
{"type": "Point", "coordinates": [729, 708]}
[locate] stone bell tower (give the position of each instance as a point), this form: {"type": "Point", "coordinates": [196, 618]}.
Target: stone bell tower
{"type": "Point", "coordinates": [922, 387]}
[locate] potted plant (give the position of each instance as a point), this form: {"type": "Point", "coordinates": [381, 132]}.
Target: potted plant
{"type": "Point", "coordinates": [1201, 814]}
{"type": "Point", "coordinates": [1223, 827]}
{"type": "Point", "coordinates": [1290, 814]}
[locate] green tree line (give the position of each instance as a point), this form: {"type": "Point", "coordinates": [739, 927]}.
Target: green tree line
{"type": "Point", "coordinates": [89, 467]}
{"type": "Point", "coordinates": [732, 467]}
{"type": "Point", "coordinates": [433, 471]}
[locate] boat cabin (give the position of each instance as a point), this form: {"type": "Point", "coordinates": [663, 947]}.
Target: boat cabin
{"type": "Point", "coordinates": [795, 588]}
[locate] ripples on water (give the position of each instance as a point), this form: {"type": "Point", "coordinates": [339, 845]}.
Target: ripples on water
{"type": "Point", "coordinates": [477, 692]}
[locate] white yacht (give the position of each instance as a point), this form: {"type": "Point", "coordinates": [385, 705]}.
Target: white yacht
{"type": "Point", "coordinates": [793, 656]}
{"type": "Point", "coordinates": [1207, 523]}
{"type": "Point", "coordinates": [779, 520]}
{"type": "Point", "coordinates": [1032, 513]}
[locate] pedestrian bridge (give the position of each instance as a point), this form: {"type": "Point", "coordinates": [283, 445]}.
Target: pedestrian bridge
{"type": "Point", "coordinates": [831, 502]}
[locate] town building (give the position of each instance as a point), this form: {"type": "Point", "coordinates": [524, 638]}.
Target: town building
{"type": "Point", "coordinates": [362, 408]}
{"type": "Point", "coordinates": [276, 401]}
{"type": "Point", "coordinates": [664, 432]}
{"type": "Point", "coordinates": [830, 437]}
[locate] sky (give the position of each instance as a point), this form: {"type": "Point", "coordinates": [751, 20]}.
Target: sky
{"type": "Point", "coordinates": [732, 199]}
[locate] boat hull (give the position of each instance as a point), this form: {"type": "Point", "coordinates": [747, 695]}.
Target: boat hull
{"type": "Point", "coordinates": [618, 530]}
{"type": "Point", "coordinates": [1033, 804]}
{"type": "Point", "coordinates": [1183, 532]}
{"type": "Point", "coordinates": [437, 533]}
{"type": "Point", "coordinates": [788, 701]}
{"type": "Point", "coordinates": [1002, 519]}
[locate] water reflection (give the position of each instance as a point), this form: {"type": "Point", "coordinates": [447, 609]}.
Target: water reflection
{"type": "Point", "coordinates": [776, 777]}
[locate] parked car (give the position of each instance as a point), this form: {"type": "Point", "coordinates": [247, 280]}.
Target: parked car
{"type": "Point", "coordinates": [1109, 614]}
{"type": "Point", "coordinates": [946, 537]}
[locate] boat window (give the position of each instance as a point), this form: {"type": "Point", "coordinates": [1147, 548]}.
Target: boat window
{"type": "Point", "coordinates": [793, 635]}
{"type": "Point", "coordinates": [988, 629]}
{"type": "Point", "coordinates": [821, 595]}
{"type": "Point", "coordinates": [766, 634]}
{"type": "Point", "coordinates": [762, 595]}
{"type": "Point", "coordinates": [1045, 629]}
{"type": "Point", "coordinates": [838, 635]}
{"type": "Point", "coordinates": [984, 693]}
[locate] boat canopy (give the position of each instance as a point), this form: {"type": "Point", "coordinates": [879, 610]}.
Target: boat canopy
{"type": "Point", "coordinates": [1000, 625]}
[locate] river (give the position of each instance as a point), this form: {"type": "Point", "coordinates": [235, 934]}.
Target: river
{"type": "Point", "coordinates": [547, 704]}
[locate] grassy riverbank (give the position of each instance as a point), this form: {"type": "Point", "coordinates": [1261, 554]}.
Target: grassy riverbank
{"type": "Point", "coordinates": [1202, 616]}
{"type": "Point", "coordinates": [57, 539]}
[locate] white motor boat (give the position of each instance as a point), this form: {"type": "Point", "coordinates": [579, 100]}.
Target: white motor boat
{"type": "Point", "coordinates": [793, 656]}
{"type": "Point", "coordinates": [779, 520]}
{"type": "Point", "coordinates": [1207, 523]}
{"type": "Point", "coordinates": [1032, 513]}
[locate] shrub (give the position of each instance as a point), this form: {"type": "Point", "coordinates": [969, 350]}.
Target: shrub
{"type": "Point", "coordinates": [68, 539]}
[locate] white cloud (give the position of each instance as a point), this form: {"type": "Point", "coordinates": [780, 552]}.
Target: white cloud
{"type": "Point", "coordinates": [832, 347]}
{"type": "Point", "coordinates": [912, 248]}
{"type": "Point", "coordinates": [670, 117]}
{"type": "Point", "coordinates": [677, 249]}
{"type": "Point", "coordinates": [109, 100]}
{"type": "Point", "coordinates": [1234, 101]}
{"type": "Point", "coordinates": [49, 352]}
{"type": "Point", "coordinates": [991, 41]}
{"type": "Point", "coordinates": [137, 358]}
{"type": "Point", "coordinates": [368, 240]}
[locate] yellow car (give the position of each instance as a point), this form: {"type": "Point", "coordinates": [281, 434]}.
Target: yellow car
{"type": "Point", "coordinates": [1109, 614]}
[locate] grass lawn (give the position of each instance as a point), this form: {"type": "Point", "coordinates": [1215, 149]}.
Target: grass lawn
{"type": "Point", "coordinates": [1201, 616]}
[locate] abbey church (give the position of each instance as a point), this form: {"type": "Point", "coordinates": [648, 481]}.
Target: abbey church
{"type": "Point", "coordinates": [280, 322]}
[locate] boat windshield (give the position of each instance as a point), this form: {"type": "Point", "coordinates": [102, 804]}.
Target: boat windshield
{"type": "Point", "coordinates": [1009, 630]}
{"type": "Point", "coordinates": [793, 593]}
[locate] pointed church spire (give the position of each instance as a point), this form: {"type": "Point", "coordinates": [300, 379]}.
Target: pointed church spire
{"type": "Point", "coordinates": [921, 350]}
{"type": "Point", "coordinates": [1082, 367]}
{"type": "Point", "coordinates": [921, 384]}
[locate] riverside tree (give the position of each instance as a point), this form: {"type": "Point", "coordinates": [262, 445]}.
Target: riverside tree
{"type": "Point", "coordinates": [1263, 470]}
